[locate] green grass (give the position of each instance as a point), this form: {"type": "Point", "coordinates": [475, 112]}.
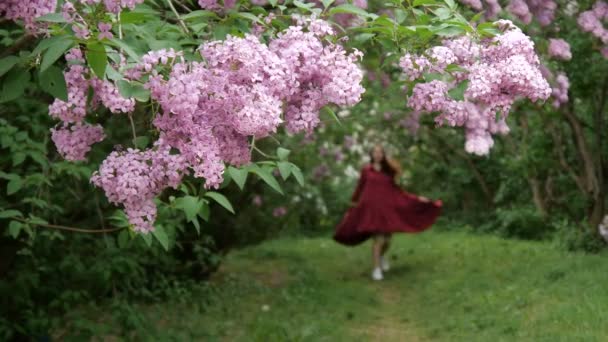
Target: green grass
{"type": "Point", "coordinates": [443, 287]}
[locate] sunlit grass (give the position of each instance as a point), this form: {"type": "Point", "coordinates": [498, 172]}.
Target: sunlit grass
{"type": "Point", "coordinates": [443, 287]}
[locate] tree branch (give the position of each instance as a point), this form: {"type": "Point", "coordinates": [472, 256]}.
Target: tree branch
{"type": "Point", "coordinates": [71, 229]}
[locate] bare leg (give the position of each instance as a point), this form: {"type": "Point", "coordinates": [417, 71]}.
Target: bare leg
{"type": "Point", "coordinates": [386, 245]}
{"type": "Point", "coordinates": [377, 250]}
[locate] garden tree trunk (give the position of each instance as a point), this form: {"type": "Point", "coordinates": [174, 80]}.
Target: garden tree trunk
{"type": "Point", "coordinates": [536, 187]}
{"type": "Point", "coordinates": [537, 196]}
{"type": "Point", "coordinates": [592, 174]}
{"type": "Point", "coordinates": [483, 185]}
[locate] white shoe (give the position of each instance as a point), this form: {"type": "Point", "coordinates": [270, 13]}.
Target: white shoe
{"type": "Point", "coordinates": [377, 274]}
{"type": "Point", "coordinates": [384, 264]}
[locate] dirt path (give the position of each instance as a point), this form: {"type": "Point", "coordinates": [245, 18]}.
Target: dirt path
{"type": "Point", "coordinates": [388, 327]}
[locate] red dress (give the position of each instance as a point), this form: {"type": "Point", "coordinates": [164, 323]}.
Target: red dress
{"type": "Point", "coordinates": [382, 208]}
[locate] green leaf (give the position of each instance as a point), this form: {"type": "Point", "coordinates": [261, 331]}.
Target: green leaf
{"type": "Point", "coordinates": [164, 44]}
{"type": "Point", "coordinates": [123, 238]}
{"type": "Point", "coordinates": [221, 199]}
{"type": "Point", "coordinates": [10, 213]}
{"type": "Point", "coordinates": [283, 153]}
{"type": "Point", "coordinates": [457, 93]}
{"type": "Point", "coordinates": [14, 84]}
{"type": "Point", "coordinates": [197, 225]}
{"type": "Point", "coordinates": [250, 16]}
{"type": "Point", "coordinates": [7, 63]}
{"type": "Point", "coordinates": [351, 9]}
{"type": "Point", "coordinates": [451, 4]}
{"type": "Point", "coordinates": [331, 113]}
{"type": "Point", "coordinates": [97, 58]}
{"type": "Point", "coordinates": [205, 211]}
{"type": "Point", "coordinates": [52, 18]}
{"type": "Point", "coordinates": [134, 17]}
{"type": "Point", "coordinates": [297, 173]}
{"type": "Point", "coordinates": [14, 228]}
{"type": "Point", "coordinates": [284, 169]}
{"type": "Point", "coordinates": [238, 175]}
{"type": "Point", "coordinates": [53, 82]}
{"type": "Point", "coordinates": [199, 14]}
{"type": "Point", "coordinates": [476, 17]}
{"type": "Point", "coordinates": [327, 3]}
{"type": "Point", "coordinates": [125, 47]}
{"type": "Point", "coordinates": [54, 51]}
{"type": "Point", "coordinates": [449, 31]}
{"type": "Point", "coordinates": [267, 177]}
{"type": "Point", "coordinates": [363, 37]}
{"type": "Point", "coordinates": [18, 158]}
{"type": "Point", "coordinates": [190, 205]}
{"type": "Point", "coordinates": [303, 5]}
{"type": "Point", "coordinates": [442, 13]}
{"type": "Point", "coordinates": [273, 2]}
{"type": "Point", "coordinates": [160, 235]}
{"type": "Point", "coordinates": [147, 238]}
{"type": "Point", "coordinates": [136, 91]}
{"type": "Point", "coordinates": [113, 74]}
{"type": "Point", "coordinates": [13, 186]}
{"type": "Point", "coordinates": [424, 2]}
{"type": "Point", "coordinates": [455, 68]}
{"type": "Point", "coordinates": [142, 142]}
{"type": "Point", "coordinates": [432, 76]}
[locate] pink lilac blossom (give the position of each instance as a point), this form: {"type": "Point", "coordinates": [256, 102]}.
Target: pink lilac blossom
{"type": "Point", "coordinates": [77, 82]}
{"type": "Point", "coordinates": [214, 5]}
{"type": "Point", "coordinates": [28, 11]}
{"type": "Point", "coordinates": [411, 122]}
{"type": "Point", "coordinates": [592, 21]}
{"type": "Point", "coordinates": [107, 93]}
{"type": "Point", "coordinates": [525, 10]}
{"type": "Point", "coordinates": [74, 110]}
{"type": "Point", "coordinates": [81, 32]}
{"type": "Point", "coordinates": [114, 6]}
{"type": "Point", "coordinates": [320, 172]}
{"type": "Point", "coordinates": [208, 111]}
{"type": "Point", "coordinates": [324, 73]}
{"type": "Point", "coordinates": [560, 90]}
{"type": "Point", "coordinates": [74, 142]}
{"type": "Point", "coordinates": [559, 49]}
{"type": "Point", "coordinates": [105, 31]}
{"type": "Point", "coordinates": [134, 178]}
{"type": "Point", "coordinates": [349, 142]}
{"type": "Point", "coordinates": [279, 211]}
{"type": "Point", "coordinates": [505, 69]}
{"type": "Point", "coordinates": [257, 200]}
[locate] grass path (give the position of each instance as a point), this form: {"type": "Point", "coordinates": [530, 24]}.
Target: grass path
{"type": "Point", "coordinates": [442, 287]}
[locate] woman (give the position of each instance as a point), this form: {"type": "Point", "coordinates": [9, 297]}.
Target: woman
{"type": "Point", "coordinates": [381, 208]}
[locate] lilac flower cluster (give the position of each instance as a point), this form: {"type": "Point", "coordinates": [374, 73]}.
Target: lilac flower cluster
{"type": "Point", "coordinates": [279, 211]}
{"type": "Point", "coordinates": [560, 90]}
{"type": "Point", "coordinates": [71, 141]}
{"type": "Point", "coordinates": [28, 11]}
{"type": "Point", "coordinates": [525, 10]}
{"type": "Point", "coordinates": [74, 142]}
{"type": "Point", "coordinates": [218, 6]}
{"type": "Point", "coordinates": [324, 73]}
{"type": "Point", "coordinates": [491, 7]}
{"type": "Point", "coordinates": [498, 71]}
{"type": "Point", "coordinates": [559, 49]}
{"type": "Point", "coordinates": [592, 21]}
{"type": "Point", "coordinates": [134, 178]}
{"type": "Point", "coordinates": [209, 111]}
{"type": "Point", "coordinates": [113, 6]}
